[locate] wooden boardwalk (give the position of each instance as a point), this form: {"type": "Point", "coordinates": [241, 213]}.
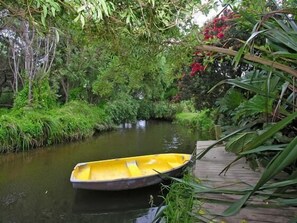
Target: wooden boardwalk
{"type": "Point", "coordinates": [238, 176]}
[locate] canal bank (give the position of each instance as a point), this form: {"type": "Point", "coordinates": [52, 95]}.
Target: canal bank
{"type": "Point", "coordinates": [239, 176]}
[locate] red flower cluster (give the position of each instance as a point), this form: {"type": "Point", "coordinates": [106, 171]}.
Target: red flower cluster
{"type": "Point", "coordinates": [217, 27]}
{"type": "Point", "coordinates": [196, 67]}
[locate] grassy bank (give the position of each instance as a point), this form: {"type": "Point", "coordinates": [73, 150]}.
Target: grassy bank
{"type": "Point", "coordinates": [201, 121]}
{"type": "Point", "coordinates": [24, 128]}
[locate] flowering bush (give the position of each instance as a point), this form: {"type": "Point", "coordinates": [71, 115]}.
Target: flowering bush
{"type": "Point", "coordinates": [217, 27]}
{"type": "Point", "coordinates": [196, 67]}
{"type": "Point", "coordinates": [199, 78]}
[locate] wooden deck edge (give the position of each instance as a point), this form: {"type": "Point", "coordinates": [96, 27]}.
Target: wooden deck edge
{"type": "Point", "coordinates": [207, 170]}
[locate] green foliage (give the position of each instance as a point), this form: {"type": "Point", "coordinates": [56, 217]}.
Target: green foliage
{"type": "Point", "coordinates": [26, 129]}
{"type": "Point", "coordinates": [135, 67]}
{"type": "Point", "coordinates": [262, 107]}
{"type": "Point", "coordinates": [44, 96]}
{"type": "Point", "coordinates": [231, 100]}
{"type": "Point", "coordinates": [197, 87]}
{"type": "Point", "coordinates": [89, 64]}
{"type": "Point", "coordinates": [4, 111]}
{"type": "Point", "coordinates": [164, 110]}
{"type": "Point", "coordinates": [253, 97]}
{"type": "Point", "coordinates": [160, 110]}
{"type": "Point", "coordinates": [140, 18]}
{"type": "Point", "coordinates": [179, 202]}
{"type": "Point", "coordinates": [21, 99]}
{"type": "Point", "coordinates": [145, 110]}
{"type": "Point", "coordinates": [6, 98]}
{"type": "Point", "coordinates": [77, 93]}
{"type": "Point", "coordinates": [236, 143]}
{"type": "Point", "coordinates": [123, 109]}
{"type": "Point", "coordinates": [187, 106]}
{"type": "Point", "coordinates": [48, 8]}
{"type": "Point", "coordinates": [201, 121]}
{"type": "Point", "coordinates": [253, 107]}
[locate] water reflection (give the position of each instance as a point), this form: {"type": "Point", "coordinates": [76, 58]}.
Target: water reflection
{"type": "Point", "coordinates": [102, 202]}
{"type": "Point", "coordinates": [141, 124]}
{"type": "Point", "coordinates": [172, 143]}
{"type": "Point", "coordinates": [135, 206]}
{"type": "Point", "coordinates": [126, 126]}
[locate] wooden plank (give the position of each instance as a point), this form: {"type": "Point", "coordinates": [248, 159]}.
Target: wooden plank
{"type": "Point", "coordinates": [238, 176]}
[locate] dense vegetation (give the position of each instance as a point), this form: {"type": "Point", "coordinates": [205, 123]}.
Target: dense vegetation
{"type": "Point", "coordinates": [119, 71]}
{"type": "Point", "coordinates": [71, 68]}
{"type": "Point", "coordinates": [258, 110]}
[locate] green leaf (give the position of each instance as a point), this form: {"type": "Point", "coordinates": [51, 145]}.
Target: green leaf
{"type": "Point", "coordinates": [53, 10]}
{"type": "Point", "coordinates": [43, 15]}
{"type": "Point", "coordinates": [282, 38]}
{"type": "Point", "coordinates": [240, 84]}
{"type": "Point", "coordinates": [236, 206]}
{"type": "Point", "coordinates": [287, 202]}
{"type": "Point", "coordinates": [200, 155]}
{"type": "Point", "coordinates": [264, 148]}
{"type": "Point", "coordinates": [238, 56]}
{"type": "Point", "coordinates": [256, 105]}
{"type": "Point", "coordinates": [77, 18]}
{"type": "Point", "coordinates": [270, 132]}
{"type": "Point", "coordinates": [280, 184]}
{"type": "Point", "coordinates": [104, 7]}
{"type": "Point", "coordinates": [285, 54]}
{"type": "Point", "coordinates": [82, 20]}
{"type": "Point", "coordinates": [285, 158]}
{"type": "Point", "coordinates": [82, 8]}
{"type": "Point", "coordinates": [236, 143]}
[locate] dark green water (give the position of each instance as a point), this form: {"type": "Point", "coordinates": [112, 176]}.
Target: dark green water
{"type": "Point", "coordinates": [35, 187]}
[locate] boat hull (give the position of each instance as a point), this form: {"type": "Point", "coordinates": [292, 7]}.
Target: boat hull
{"type": "Point", "coordinates": [128, 183]}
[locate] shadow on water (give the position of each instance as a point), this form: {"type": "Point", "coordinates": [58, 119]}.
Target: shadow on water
{"type": "Point", "coordinates": [100, 202]}
{"type": "Point", "coordinates": [137, 206]}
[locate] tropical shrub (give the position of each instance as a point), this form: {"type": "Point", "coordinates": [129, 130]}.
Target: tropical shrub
{"type": "Point", "coordinates": [164, 110]}
{"type": "Point", "coordinates": [44, 96]}
{"type": "Point", "coordinates": [196, 87]}
{"type": "Point", "coordinates": [145, 110]}
{"type": "Point", "coordinates": [207, 68]}
{"type": "Point", "coordinates": [123, 109]}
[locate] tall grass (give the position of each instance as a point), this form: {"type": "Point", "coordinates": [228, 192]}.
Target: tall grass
{"type": "Point", "coordinates": [179, 202]}
{"type": "Point", "coordinates": [25, 129]}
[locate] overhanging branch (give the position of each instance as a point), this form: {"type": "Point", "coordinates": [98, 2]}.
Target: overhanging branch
{"type": "Point", "coordinates": [250, 57]}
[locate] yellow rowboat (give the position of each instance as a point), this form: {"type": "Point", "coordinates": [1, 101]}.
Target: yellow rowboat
{"type": "Point", "coordinates": [128, 173]}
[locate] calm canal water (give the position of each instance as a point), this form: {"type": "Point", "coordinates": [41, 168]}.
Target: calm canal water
{"type": "Point", "coordinates": [35, 187]}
